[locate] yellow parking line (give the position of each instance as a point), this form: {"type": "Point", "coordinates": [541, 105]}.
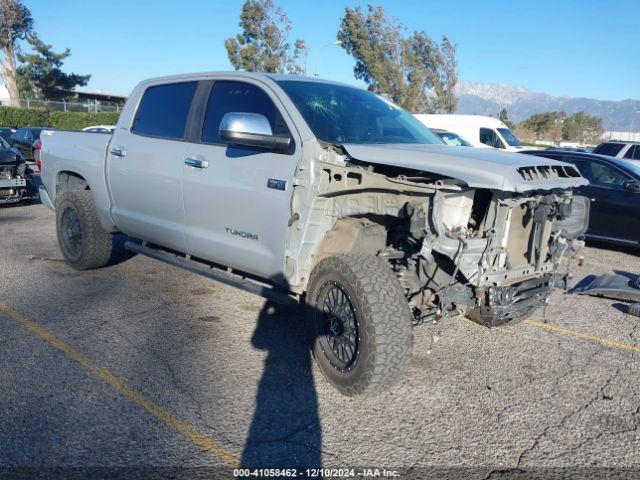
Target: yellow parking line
{"type": "Point", "coordinates": [584, 336]}
{"type": "Point", "coordinates": [195, 436]}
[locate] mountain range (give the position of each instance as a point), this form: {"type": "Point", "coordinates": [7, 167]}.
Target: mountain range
{"type": "Point", "coordinates": [489, 98]}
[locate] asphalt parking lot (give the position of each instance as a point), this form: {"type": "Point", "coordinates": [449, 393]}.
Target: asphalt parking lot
{"type": "Point", "coordinates": [142, 365]}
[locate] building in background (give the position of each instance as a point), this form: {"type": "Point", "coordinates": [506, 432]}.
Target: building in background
{"type": "Point", "coordinates": [74, 101]}
{"type": "Point", "coordinates": [4, 95]}
{"type": "Point", "coordinates": [626, 136]}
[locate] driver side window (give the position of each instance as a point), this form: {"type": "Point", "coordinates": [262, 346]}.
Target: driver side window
{"type": "Point", "coordinates": [602, 175]}
{"type": "Point", "coordinates": [488, 136]}
{"type": "Point", "coordinates": [608, 176]}
{"type": "Point", "coordinates": [228, 96]}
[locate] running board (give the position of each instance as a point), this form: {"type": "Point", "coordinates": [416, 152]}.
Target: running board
{"type": "Point", "coordinates": [214, 273]}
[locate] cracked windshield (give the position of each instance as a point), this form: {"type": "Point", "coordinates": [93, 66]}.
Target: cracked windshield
{"type": "Point", "coordinates": [339, 114]}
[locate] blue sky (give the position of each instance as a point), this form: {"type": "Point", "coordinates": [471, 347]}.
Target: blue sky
{"type": "Point", "coordinates": [577, 48]}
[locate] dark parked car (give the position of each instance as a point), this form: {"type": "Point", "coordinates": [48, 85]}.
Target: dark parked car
{"type": "Point", "coordinates": [6, 132]}
{"type": "Point", "coordinates": [24, 140]}
{"type": "Point", "coordinates": [614, 190]}
{"type": "Point", "coordinates": [572, 149]}
{"type": "Point", "coordinates": [15, 175]}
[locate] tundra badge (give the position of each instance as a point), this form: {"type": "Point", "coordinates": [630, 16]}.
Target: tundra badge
{"type": "Point", "coordinates": [240, 233]}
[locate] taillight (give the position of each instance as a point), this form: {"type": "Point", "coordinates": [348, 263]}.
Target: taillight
{"type": "Point", "coordinates": [37, 147]}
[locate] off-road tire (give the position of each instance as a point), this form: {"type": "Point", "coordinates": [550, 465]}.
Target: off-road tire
{"type": "Point", "coordinates": [383, 319]}
{"type": "Point", "coordinates": [94, 244]}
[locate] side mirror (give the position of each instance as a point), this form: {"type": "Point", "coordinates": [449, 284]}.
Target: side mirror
{"type": "Point", "coordinates": [632, 185]}
{"type": "Point", "coordinates": [252, 129]}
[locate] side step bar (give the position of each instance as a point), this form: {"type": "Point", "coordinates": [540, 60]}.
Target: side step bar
{"type": "Point", "coordinates": [214, 273]}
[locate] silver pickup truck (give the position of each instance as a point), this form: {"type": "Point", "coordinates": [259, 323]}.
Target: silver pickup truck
{"type": "Point", "coordinates": [301, 189]}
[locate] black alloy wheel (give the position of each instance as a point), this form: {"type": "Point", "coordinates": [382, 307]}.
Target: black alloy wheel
{"type": "Point", "coordinates": [338, 329]}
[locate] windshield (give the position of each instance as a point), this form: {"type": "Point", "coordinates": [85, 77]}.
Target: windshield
{"type": "Point", "coordinates": [453, 139]}
{"type": "Point", "coordinates": [4, 143]}
{"type": "Point", "coordinates": [509, 137]}
{"type": "Point", "coordinates": [633, 165]}
{"type": "Point", "coordinates": [339, 114]}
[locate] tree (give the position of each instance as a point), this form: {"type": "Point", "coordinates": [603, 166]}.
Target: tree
{"type": "Point", "coordinates": [504, 118]}
{"type": "Point", "coordinates": [41, 75]}
{"type": "Point", "coordinates": [581, 127]}
{"type": "Point", "coordinates": [15, 24]}
{"type": "Point", "coordinates": [544, 124]}
{"type": "Point", "coordinates": [445, 78]}
{"type": "Point", "coordinates": [263, 45]}
{"type": "Point", "coordinates": [414, 71]}
{"type": "Point", "coordinates": [555, 126]}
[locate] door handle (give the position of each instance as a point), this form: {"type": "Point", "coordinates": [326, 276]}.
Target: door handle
{"type": "Point", "coordinates": [196, 162]}
{"type": "Point", "coordinates": [118, 151]}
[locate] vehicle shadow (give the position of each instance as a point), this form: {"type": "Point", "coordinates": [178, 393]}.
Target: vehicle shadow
{"type": "Point", "coordinates": [119, 254]}
{"type": "Point", "coordinates": [36, 181]}
{"type": "Point", "coordinates": [285, 431]}
{"type": "Point", "coordinates": [621, 307]}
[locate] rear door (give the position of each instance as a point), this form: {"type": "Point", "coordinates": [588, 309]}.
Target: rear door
{"type": "Point", "coordinates": [238, 202]}
{"type": "Point", "coordinates": [145, 163]}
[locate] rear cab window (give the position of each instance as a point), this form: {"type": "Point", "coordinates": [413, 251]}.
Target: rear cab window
{"type": "Point", "coordinates": [164, 109]}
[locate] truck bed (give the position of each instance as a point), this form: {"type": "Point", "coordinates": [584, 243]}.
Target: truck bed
{"type": "Point", "coordinates": [83, 153]}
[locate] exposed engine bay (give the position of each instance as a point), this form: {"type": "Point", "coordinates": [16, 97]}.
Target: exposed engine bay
{"type": "Point", "coordinates": [15, 178]}
{"type": "Point", "coordinates": [490, 255]}
{"type": "Point", "coordinates": [487, 253]}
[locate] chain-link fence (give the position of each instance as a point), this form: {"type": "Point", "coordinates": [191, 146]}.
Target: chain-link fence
{"type": "Point", "coordinates": [88, 106]}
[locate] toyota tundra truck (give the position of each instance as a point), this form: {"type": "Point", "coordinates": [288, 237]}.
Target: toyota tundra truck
{"type": "Point", "coordinates": [306, 190]}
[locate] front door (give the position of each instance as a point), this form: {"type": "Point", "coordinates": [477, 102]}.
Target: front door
{"type": "Point", "coordinates": [615, 211]}
{"type": "Point", "coordinates": [145, 166]}
{"type": "Point", "coordinates": [490, 137]}
{"type": "Point", "coordinates": [237, 200]}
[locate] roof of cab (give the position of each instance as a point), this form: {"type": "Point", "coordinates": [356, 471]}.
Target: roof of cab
{"type": "Point", "coordinates": [261, 75]}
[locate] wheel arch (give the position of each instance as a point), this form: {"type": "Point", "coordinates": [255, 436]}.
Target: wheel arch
{"type": "Point", "coordinates": [351, 235]}
{"type": "Point", "coordinates": [67, 180]}
{"type": "Point", "coordinates": [70, 180]}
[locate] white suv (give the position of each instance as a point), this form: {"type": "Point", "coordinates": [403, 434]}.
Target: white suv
{"type": "Point", "coordinates": [619, 149]}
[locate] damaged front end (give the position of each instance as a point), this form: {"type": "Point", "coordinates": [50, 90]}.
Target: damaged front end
{"type": "Point", "coordinates": [483, 236]}
{"type": "Point", "coordinates": [492, 255]}
{"type": "Point", "coordinates": [15, 177]}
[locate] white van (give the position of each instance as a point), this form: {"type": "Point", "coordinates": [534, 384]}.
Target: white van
{"type": "Point", "coordinates": [479, 130]}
